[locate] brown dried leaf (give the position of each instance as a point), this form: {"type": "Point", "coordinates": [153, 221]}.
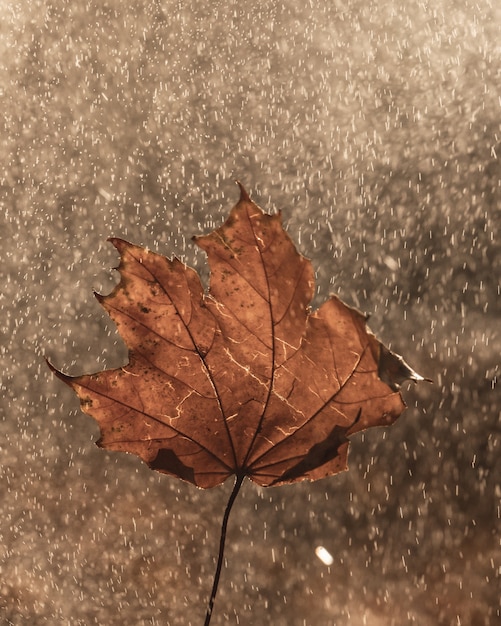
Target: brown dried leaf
{"type": "Point", "coordinates": [243, 380]}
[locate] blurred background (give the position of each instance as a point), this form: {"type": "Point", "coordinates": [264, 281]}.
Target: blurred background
{"type": "Point", "coordinates": [375, 127]}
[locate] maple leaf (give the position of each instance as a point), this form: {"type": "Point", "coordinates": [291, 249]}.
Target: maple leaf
{"type": "Point", "coordinates": [243, 379]}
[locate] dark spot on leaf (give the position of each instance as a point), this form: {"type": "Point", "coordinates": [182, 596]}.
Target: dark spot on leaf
{"type": "Point", "coordinates": [167, 461]}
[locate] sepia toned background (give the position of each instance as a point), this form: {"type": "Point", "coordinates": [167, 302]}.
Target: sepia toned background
{"type": "Point", "coordinates": [375, 127]}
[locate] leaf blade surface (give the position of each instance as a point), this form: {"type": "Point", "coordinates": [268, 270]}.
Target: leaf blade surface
{"type": "Point", "coordinates": [244, 379]}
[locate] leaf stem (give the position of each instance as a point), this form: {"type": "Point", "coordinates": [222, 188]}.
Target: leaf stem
{"type": "Point", "coordinates": [236, 488]}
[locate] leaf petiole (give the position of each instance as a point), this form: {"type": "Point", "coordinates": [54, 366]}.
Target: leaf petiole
{"type": "Point", "coordinates": [236, 488]}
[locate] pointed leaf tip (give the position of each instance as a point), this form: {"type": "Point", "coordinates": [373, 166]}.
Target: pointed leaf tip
{"type": "Point", "coordinates": [64, 377]}
{"type": "Point", "coordinates": [119, 243]}
{"type": "Point", "coordinates": [393, 370]}
{"type": "Point", "coordinates": [244, 196]}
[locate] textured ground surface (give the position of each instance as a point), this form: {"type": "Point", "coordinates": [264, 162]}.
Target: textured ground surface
{"type": "Point", "coordinates": [375, 129]}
